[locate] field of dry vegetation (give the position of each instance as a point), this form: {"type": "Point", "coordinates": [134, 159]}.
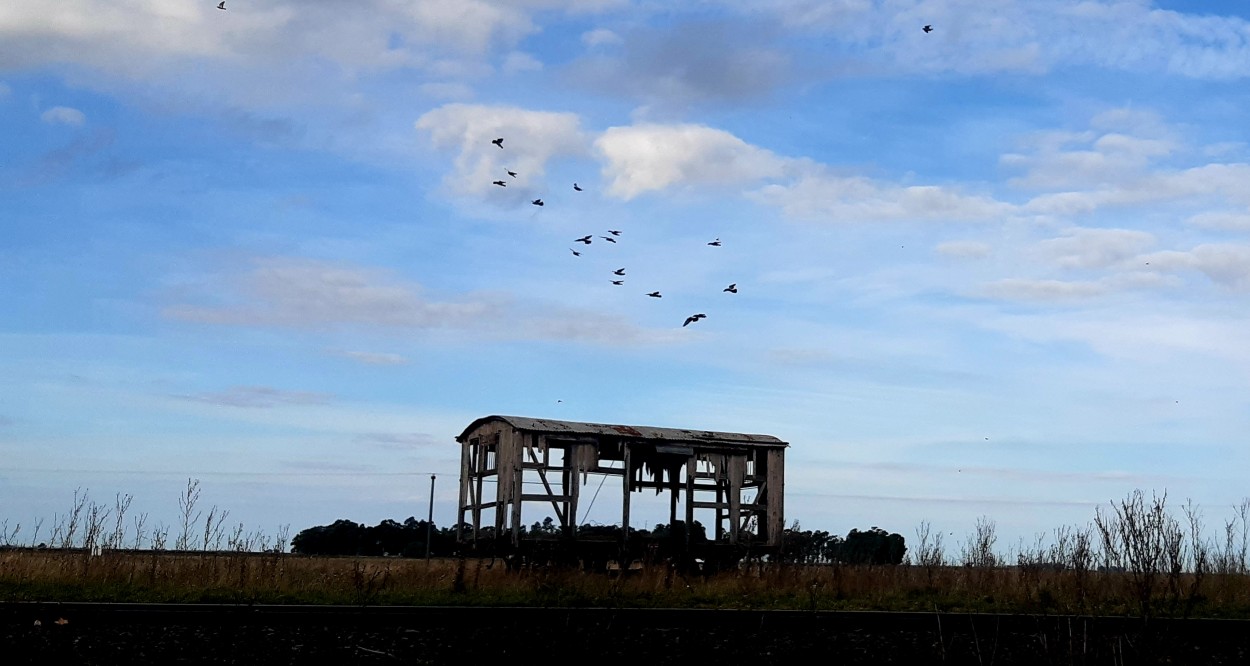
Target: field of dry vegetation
{"type": "Point", "coordinates": [1134, 559]}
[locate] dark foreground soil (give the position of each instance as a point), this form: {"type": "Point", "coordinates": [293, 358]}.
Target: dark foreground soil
{"type": "Point", "coordinates": [142, 634]}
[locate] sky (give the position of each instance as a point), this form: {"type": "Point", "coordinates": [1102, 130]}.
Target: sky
{"type": "Point", "coordinates": [999, 269]}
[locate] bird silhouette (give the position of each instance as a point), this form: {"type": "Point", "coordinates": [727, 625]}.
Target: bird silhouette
{"type": "Point", "coordinates": [499, 183]}
{"type": "Point", "coordinates": [510, 173]}
{"type": "Point", "coordinates": [715, 243]}
{"type": "Point", "coordinates": [619, 271]}
{"type": "Point", "coordinates": [614, 232]}
{"type": "Point", "coordinates": [927, 28]}
{"type": "Point", "coordinates": [575, 252]}
{"type": "Point", "coordinates": [222, 5]}
{"type": "Point", "coordinates": [618, 282]}
{"type": "Point", "coordinates": [733, 288]}
{"type": "Point", "coordinates": [655, 294]}
{"type": "Point", "coordinates": [608, 239]}
{"type": "Point", "coordinates": [693, 318]}
{"type": "Point", "coordinates": [498, 142]}
{"type": "Point", "coordinates": [537, 202]}
{"type": "Point", "coordinates": [583, 239]}
{"type": "Point", "coordinates": [575, 187]}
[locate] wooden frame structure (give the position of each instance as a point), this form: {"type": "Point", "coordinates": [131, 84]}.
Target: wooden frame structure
{"type": "Point", "coordinates": [738, 478]}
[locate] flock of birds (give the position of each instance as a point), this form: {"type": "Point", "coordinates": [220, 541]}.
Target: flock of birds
{"type": "Point", "coordinates": [614, 234]}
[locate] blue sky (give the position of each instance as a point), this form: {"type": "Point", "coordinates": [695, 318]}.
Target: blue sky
{"type": "Point", "coordinates": [1000, 269]}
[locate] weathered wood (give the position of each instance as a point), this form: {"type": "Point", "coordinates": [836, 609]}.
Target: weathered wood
{"type": "Point", "coordinates": [542, 475]}
{"type": "Point", "coordinates": [539, 497]}
{"type": "Point", "coordinates": [720, 470]}
{"type": "Point", "coordinates": [737, 470]}
{"type": "Point", "coordinates": [572, 485]}
{"type": "Point", "coordinates": [628, 481]}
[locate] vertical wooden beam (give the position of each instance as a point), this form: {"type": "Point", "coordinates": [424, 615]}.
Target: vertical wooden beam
{"type": "Point", "coordinates": [673, 493]}
{"type": "Point", "coordinates": [737, 471]}
{"type": "Point", "coordinates": [479, 464]}
{"type": "Point", "coordinates": [518, 484]}
{"type": "Point", "coordinates": [627, 479]}
{"type": "Point", "coordinates": [692, 466]}
{"type": "Point", "coordinates": [465, 479]}
{"type": "Point", "coordinates": [502, 492]}
{"type": "Point", "coordinates": [573, 484]}
{"type": "Point", "coordinates": [776, 496]}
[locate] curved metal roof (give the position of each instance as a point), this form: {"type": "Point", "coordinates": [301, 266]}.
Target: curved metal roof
{"type": "Point", "coordinates": [553, 427]}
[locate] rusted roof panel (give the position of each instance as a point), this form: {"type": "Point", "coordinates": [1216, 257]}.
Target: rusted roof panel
{"type": "Point", "coordinates": [553, 427]}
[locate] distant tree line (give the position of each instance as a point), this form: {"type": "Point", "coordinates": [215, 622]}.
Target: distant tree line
{"type": "Point", "coordinates": [875, 546]}
{"type": "Point", "coordinates": [408, 539]}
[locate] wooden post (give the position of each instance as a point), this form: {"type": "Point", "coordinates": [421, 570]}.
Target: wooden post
{"type": "Point", "coordinates": [737, 470]}
{"type": "Point", "coordinates": [518, 494]}
{"type": "Point", "coordinates": [572, 485]}
{"type": "Point", "coordinates": [692, 466]}
{"type": "Point", "coordinates": [465, 479]}
{"type": "Point", "coordinates": [429, 523]}
{"type": "Point", "coordinates": [627, 479]}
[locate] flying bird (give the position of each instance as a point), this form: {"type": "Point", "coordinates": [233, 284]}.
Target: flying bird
{"type": "Point", "coordinates": [927, 28]}
{"type": "Point", "coordinates": [614, 232]}
{"type": "Point", "coordinates": [537, 202]}
{"type": "Point", "coordinates": [693, 318]}
{"type": "Point", "coordinates": [510, 173]}
{"type": "Point", "coordinates": [608, 239]}
{"type": "Point", "coordinates": [575, 187]}
{"type": "Point", "coordinates": [498, 142]}
{"type": "Point", "coordinates": [619, 271]}
{"type": "Point", "coordinates": [575, 252]}
{"type": "Point", "coordinates": [583, 239]}
{"type": "Point", "coordinates": [715, 243]}
{"type": "Point", "coordinates": [222, 5]}
{"type": "Point", "coordinates": [733, 288]}
{"type": "Point", "coordinates": [618, 282]}
{"type": "Point", "coordinates": [499, 183]}
{"type": "Point", "coordinates": [655, 294]}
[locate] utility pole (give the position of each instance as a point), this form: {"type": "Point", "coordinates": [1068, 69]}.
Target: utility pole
{"type": "Point", "coordinates": [429, 523]}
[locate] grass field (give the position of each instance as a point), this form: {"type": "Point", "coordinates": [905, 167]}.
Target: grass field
{"type": "Point", "coordinates": [46, 575]}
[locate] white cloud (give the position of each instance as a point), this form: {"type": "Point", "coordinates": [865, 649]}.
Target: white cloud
{"type": "Point", "coordinates": [372, 358]}
{"type": "Point", "coordinates": [1225, 264]}
{"type": "Point", "coordinates": [64, 115]}
{"type": "Point", "coordinates": [521, 62]}
{"type": "Point", "coordinates": [1019, 289]}
{"type": "Point", "coordinates": [1096, 248]}
{"type": "Point", "coordinates": [1120, 162]}
{"type": "Point", "coordinates": [260, 397]}
{"type": "Point", "coordinates": [650, 157]}
{"type": "Point", "coordinates": [307, 294]}
{"type": "Point", "coordinates": [964, 249]}
{"type": "Point", "coordinates": [446, 90]}
{"type": "Point", "coordinates": [1029, 37]}
{"type": "Point", "coordinates": [1231, 220]}
{"type": "Point", "coordinates": [531, 138]}
{"type": "Point", "coordinates": [600, 37]}
{"type": "Point", "coordinates": [824, 196]}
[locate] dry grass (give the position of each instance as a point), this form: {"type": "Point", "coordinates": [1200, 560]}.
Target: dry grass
{"type": "Point", "coordinates": [42, 575]}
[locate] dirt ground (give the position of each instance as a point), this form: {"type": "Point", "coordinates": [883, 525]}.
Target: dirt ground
{"type": "Point", "coordinates": [111, 634]}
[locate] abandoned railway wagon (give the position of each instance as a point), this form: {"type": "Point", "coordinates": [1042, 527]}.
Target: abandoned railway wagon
{"type": "Point", "coordinates": [730, 483]}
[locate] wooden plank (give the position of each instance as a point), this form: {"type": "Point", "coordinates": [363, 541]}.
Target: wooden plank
{"type": "Point", "coordinates": [737, 469]}
{"type": "Point", "coordinates": [572, 485]}
{"type": "Point", "coordinates": [465, 481]}
{"type": "Point", "coordinates": [542, 475]}
{"type": "Point", "coordinates": [625, 500]}
{"type": "Point", "coordinates": [691, 464]}
{"type": "Point", "coordinates": [538, 497]}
